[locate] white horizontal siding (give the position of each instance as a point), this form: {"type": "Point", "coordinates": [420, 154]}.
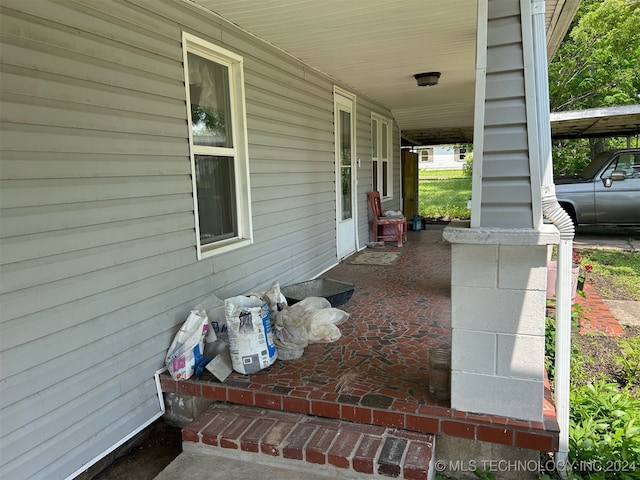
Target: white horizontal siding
{"type": "Point", "coordinates": [506, 185]}
{"type": "Point", "coordinates": [97, 242]}
{"type": "Point", "coordinates": [57, 267]}
{"type": "Point", "coordinates": [70, 90]}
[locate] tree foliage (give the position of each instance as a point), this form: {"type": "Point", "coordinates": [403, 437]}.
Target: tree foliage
{"type": "Point", "coordinates": [598, 62]}
{"type": "Point", "coordinates": [597, 65]}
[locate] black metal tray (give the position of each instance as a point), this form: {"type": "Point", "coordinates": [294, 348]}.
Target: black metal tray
{"type": "Point", "coordinates": [338, 293]}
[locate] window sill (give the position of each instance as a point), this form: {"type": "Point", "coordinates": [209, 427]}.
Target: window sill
{"type": "Point", "coordinates": [223, 247]}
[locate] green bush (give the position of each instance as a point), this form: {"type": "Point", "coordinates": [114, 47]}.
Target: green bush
{"type": "Point", "coordinates": [550, 347]}
{"type": "Point", "coordinates": [467, 169]}
{"type": "Point", "coordinates": [604, 431]}
{"type": "Point", "coordinates": [629, 361]}
{"type": "Point", "coordinates": [604, 422]}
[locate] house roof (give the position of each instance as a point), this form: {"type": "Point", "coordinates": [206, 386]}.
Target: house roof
{"type": "Point", "coordinates": [376, 46]}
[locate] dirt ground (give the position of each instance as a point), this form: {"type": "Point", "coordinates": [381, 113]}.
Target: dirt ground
{"type": "Point", "coordinates": [599, 355]}
{"type": "Point", "coordinates": [157, 449]}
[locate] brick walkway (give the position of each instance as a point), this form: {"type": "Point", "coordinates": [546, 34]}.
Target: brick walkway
{"type": "Point", "coordinates": [595, 316]}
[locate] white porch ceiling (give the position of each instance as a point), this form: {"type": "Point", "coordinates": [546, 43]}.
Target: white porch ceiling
{"type": "Point", "coordinates": [376, 46]}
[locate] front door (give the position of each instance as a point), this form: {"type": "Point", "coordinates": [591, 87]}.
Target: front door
{"type": "Point", "coordinates": [345, 174]}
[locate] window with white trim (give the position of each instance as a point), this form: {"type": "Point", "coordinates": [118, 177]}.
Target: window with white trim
{"type": "Point", "coordinates": [381, 155]}
{"type": "Point", "coordinates": [426, 155]}
{"type": "Point", "coordinates": [218, 146]}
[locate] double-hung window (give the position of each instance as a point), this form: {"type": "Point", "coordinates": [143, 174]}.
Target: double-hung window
{"type": "Point", "coordinates": [381, 155]}
{"type": "Point", "coordinates": [218, 144]}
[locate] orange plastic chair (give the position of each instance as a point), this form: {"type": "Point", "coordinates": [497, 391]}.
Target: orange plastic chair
{"type": "Point", "coordinates": [392, 229]}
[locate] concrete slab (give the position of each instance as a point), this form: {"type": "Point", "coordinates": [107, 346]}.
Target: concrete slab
{"type": "Point", "coordinates": [627, 312]}
{"type": "Point", "coordinates": [214, 467]}
{"type": "Point", "coordinates": [608, 238]}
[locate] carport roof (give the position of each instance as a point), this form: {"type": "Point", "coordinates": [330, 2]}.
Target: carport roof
{"type": "Point", "coordinates": [619, 121]}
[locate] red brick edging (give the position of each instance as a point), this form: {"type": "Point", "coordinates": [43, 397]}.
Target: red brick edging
{"type": "Point", "coordinates": [363, 448]}
{"type": "Point", "coordinates": [596, 317]}
{"type": "Point", "coordinates": [534, 435]}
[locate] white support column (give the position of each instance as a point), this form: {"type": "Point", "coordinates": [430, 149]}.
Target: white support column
{"type": "Point", "coordinates": [498, 296]}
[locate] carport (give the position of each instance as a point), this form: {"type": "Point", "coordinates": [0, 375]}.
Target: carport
{"type": "Point", "coordinates": [619, 121]}
{"type": "Point", "coordinates": [599, 122]}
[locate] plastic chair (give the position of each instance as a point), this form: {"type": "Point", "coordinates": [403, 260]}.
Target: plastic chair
{"type": "Point", "coordinates": [392, 229]}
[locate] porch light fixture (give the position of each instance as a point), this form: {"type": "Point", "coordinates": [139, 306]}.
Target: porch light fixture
{"type": "Point", "coordinates": [427, 79]}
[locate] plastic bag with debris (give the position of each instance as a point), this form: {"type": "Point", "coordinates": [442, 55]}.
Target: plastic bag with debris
{"type": "Point", "coordinates": [311, 320]}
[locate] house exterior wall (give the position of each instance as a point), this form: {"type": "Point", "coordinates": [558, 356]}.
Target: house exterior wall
{"type": "Point", "coordinates": [98, 250]}
{"type": "Point", "coordinates": [443, 157]}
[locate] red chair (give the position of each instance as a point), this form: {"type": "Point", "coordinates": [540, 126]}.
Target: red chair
{"type": "Point", "coordinates": [392, 229]}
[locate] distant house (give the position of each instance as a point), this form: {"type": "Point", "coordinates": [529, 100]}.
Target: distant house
{"type": "Point", "coordinates": [441, 157]}
{"type": "Point", "coordinates": [154, 152]}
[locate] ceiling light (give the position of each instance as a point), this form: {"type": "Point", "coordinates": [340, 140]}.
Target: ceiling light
{"type": "Point", "coordinates": [427, 79]}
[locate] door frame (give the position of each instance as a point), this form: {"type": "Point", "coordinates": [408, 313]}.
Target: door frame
{"type": "Point", "coordinates": [351, 98]}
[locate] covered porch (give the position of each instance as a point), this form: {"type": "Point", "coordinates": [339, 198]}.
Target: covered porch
{"type": "Point", "coordinates": [378, 372]}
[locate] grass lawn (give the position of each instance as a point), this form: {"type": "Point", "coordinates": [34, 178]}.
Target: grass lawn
{"type": "Point", "coordinates": [615, 275]}
{"type": "Point", "coordinates": [443, 194]}
{"type": "Point", "coordinates": [439, 174]}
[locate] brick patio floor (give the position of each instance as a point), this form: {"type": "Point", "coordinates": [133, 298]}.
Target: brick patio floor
{"type": "Point", "coordinates": [377, 373]}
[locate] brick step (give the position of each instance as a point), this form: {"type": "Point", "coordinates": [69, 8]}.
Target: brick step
{"type": "Point", "coordinates": [345, 449]}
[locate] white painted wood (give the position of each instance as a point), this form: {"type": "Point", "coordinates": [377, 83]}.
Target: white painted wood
{"type": "Point", "coordinates": [534, 130]}
{"type": "Point", "coordinates": [479, 113]}
{"type": "Point", "coordinates": [374, 45]}
{"type": "Point", "coordinates": [503, 123]}
{"type": "Point", "coordinates": [346, 218]}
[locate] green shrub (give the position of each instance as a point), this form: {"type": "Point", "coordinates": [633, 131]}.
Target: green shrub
{"type": "Point", "coordinates": [550, 347]}
{"type": "Point", "coordinates": [604, 431]}
{"type": "Point", "coordinates": [467, 169]}
{"type": "Point", "coordinates": [629, 361]}
{"type": "Point", "coordinates": [604, 423]}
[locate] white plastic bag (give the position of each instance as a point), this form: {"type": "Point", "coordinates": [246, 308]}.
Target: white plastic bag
{"type": "Point", "coordinates": [273, 297]}
{"type": "Point", "coordinates": [250, 338]}
{"type": "Point", "coordinates": [214, 307]}
{"type": "Point", "coordinates": [311, 320]}
{"type": "Point", "coordinates": [186, 350]}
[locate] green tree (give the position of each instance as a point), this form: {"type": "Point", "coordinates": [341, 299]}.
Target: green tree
{"type": "Point", "coordinates": [596, 65]}
{"type": "Point", "coordinates": [598, 62]}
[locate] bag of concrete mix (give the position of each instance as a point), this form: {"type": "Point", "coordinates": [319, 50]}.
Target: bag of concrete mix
{"type": "Point", "coordinates": [187, 349]}
{"type": "Point", "coordinates": [249, 330]}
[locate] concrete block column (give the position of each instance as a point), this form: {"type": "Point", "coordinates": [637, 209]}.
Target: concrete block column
{"type": "Point", "coordinates": [498, 286]}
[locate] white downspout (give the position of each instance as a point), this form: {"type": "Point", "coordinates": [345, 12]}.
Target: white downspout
{"type": "Point", "coordinates": [555, 213]}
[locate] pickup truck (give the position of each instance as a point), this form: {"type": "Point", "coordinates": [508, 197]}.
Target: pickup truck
{"type": "Point", "coordinates": [606, 192]}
